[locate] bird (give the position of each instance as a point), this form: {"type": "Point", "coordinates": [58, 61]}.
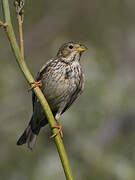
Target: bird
{"type": "Point", "coordinates": [61, 80]}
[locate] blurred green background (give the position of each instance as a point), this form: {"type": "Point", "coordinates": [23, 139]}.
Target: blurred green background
{"type": "Point", "coordinates": [99, 129]}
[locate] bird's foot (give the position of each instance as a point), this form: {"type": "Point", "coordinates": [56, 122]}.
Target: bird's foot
{"type": "Point", "coordinates": [4, 25]}
{"type": "Point", "coordinates": [35, 84]}
{"type": "Point", "coordinates": [59, 127]}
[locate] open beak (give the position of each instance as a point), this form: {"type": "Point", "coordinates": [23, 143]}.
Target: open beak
{"type": "Point", "coordinates": [81, 48]}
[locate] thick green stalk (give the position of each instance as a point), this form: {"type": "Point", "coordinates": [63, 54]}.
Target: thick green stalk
{"type": "Point", "coordinates": [39, 94]}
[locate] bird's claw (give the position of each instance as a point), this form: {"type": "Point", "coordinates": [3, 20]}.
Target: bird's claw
{"type": "Point", "coordinates": [35, 84]}
{"type": "Point", "coordinates": [4, 25]}
{"type": "Point", "coordinates": [59, 127]}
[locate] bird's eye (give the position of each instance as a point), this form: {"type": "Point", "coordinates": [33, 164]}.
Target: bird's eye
{"type": "Point", "coordinates": [70, 47]}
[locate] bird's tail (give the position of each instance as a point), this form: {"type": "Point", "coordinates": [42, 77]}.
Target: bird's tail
{"type": "Point", "coordinates": [27, 137]}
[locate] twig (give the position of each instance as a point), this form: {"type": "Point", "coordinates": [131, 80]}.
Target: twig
{"type": "Point", "coordinates": [23, 67]}
{"type": "Point", "coordinates": [20, 35]}
{"type": "Point", "coordinates": [19, 4]}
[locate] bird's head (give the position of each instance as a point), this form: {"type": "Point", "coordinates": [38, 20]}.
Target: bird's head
{"type": "Point", "coordinates": [71, 51]}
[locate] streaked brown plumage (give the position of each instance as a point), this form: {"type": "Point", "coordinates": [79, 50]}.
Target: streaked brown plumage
{"type": "Point", "coordinates": [62, 82]}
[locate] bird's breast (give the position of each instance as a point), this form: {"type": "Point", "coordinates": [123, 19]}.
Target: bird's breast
{"type": "Point", "coordinates": [61, 83]}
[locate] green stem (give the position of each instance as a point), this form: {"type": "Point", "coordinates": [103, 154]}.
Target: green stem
{"type": "Point", "coordinates": [20, 35]}
{"type": "Point", "coordinates": [39, 94]}
{"type": "Point", "coordinates": [19, 10]}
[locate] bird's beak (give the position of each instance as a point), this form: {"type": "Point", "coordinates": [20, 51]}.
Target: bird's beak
{"type": "Point", "coordinates": [81, 48]}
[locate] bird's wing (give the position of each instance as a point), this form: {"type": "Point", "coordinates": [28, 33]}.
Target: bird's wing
{"type": "Point", "coordinates": [43, 70]}
{"type": "Point", "coordinates": [39, 77]}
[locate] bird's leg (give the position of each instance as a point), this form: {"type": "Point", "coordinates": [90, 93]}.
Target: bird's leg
{"type": "Point", "coordinates": [58, 126]}
{"type": "Point", "coordinates": [35, 84]}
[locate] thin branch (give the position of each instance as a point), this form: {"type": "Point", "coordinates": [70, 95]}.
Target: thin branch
{"type": "Point", "coordinates": [20, 35]}
{"type": "Point", "coordinates": [23, 67]}
{"type": "Point", "coordinates": [19, 4]}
